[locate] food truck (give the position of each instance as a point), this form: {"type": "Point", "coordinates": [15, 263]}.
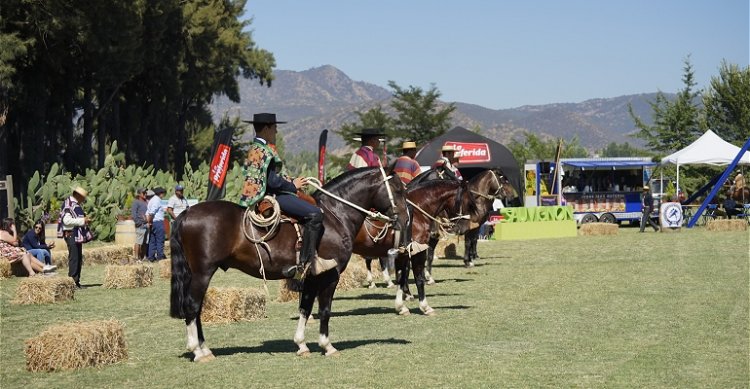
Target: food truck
{"type": "Point", "coordinates": [599, 189]}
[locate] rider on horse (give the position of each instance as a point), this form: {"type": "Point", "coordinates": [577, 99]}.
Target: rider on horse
{"type": "Point", "coordinates": [445, 163]}
{"type": "Point", "coordinates": [264, 175]}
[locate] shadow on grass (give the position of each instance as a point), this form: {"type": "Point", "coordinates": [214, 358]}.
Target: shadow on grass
{"type": "Point", "coordinates": [287, 346]}
{"type": "Point", "coordinates": [369, 296]}
{"type": "Point", "coordinates": [365, 311]}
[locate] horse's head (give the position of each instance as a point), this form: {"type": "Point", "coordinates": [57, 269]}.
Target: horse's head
{"type": "Point", "coordinates": [370, 189]}
{"type": "Point", "coordinates": [492, 184]}
{"type": "Point", "coordinates": [464, 206]}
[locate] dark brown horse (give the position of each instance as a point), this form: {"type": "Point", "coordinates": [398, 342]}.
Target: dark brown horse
{"type": "Point", "coordinates": [486, 187]}
{"type": "Point", "coordinates": [209, 236]}
{"type": "Point", "coordinates": [741, 195]}
{"type": "Point", "coordinates": [427, 199]}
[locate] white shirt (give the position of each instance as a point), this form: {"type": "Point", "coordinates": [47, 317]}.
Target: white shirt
{"type": "Point", "coordinates": [178, 205]}
{"type": "Point", "coordinates": [154, 208]}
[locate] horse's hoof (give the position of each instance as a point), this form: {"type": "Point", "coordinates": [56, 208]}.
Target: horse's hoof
{"type": "Point", "coordinates": [404, 312]}
{"type": "Point", "coordinates": [303, 354]}
{"type": "Point", "coordinates": [333, 354]}
{"type": "Point", "coordinates": [391, 285]}
{"type": "Point", "coordinates": [372, 286]}
{"type": "Point", "coordinates": [206, 358]}
{"type": "Point", "coordinates": [431, 281]}
{"type": "Point", "coordinates": [430, 312]}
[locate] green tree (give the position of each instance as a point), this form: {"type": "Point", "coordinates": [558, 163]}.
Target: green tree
{"type": "Point", "coordinates": [534, 147]}
{"type": "Point", "coordinates": [373, 118]}
{"type": "Point", "coordinates": [727, 103]}
{"type": "Point", "coordinates": [419, 116]}
{"type": "Point", "coordinates": [676, 123]}
{"type": "Point", "coordinates": [622, 150]}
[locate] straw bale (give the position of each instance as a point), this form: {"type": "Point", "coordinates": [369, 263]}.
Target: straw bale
{"type": "Point", "coordinates": [5, 270]}
{"type": "Point", "coordinates": [75, 345]}
{"type": "Point", "coordinates": [726, 225]}
{"type": "Point", "coordinates": [289, 290]}
{"type": "Point", "coordinates": [224, 305]}
{"type": "Point", "coordinates": [44, 290]}
{"type": "Point", "coordinates": [165, 268]}
{"type": "Point", "coordinates": [108, 255]}
{"type": "Point", "coordinates": [355, 275]}
{"type": "Point", "coordinates": [128, 276]}
{"type": "Point", "coordinates": [595, 229]}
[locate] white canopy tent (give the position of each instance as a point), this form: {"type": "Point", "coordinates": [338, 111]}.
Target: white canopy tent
{"type": "Point", "coordinates": [709, 149]}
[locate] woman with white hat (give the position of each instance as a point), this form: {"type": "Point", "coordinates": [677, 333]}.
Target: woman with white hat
{"type": "Point", "coordinates": [75, 231]}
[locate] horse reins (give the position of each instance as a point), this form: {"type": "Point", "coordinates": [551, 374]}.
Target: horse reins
{"type": "Point", "coordinates": [494, 195]}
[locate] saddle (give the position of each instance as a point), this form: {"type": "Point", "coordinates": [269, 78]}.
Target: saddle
{"type": "Point", "coordinates": [265, 208]}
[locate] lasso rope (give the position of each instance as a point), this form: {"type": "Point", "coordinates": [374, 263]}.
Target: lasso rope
{"type": "Point", "coordinates": [271, 223]}
{"type": "Point", "coordinates": [375, 215]}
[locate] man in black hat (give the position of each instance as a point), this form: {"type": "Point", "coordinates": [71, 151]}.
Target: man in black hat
{"type": "Point", "coordinates": [647, 207]}
{"type": "Point", "coordinates": [264, 175]}
{"type": "Point", "coordinates": [366, 156]}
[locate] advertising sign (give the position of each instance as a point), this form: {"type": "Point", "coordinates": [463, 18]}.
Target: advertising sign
{"type": "Point", "coordinates": [471, 152]}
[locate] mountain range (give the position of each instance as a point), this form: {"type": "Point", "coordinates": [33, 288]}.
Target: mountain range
{"type": "Point", "coordinates": [325, 97]}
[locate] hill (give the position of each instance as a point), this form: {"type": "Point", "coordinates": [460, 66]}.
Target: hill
{"type": "Point", "coordinates": [325, 97]}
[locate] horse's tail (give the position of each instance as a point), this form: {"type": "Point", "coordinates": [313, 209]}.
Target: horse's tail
{"type": "Point", "coordinates": [181, 302]}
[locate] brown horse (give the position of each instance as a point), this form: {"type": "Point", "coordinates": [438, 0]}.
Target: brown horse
{"type": "Point", "coordinates": [209, 236]}
{"type": "Point", "coordinates": [426, 199]}
{"type": "Point", "coordinates": [486, 187]}
{"type": "Point", "coordinates": [741, 195]}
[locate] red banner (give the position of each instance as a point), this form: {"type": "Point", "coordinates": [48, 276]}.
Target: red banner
{"type": "Point", "coordinates": [219, 166]}
{"type": "Point", "coordinates": [471, 152]}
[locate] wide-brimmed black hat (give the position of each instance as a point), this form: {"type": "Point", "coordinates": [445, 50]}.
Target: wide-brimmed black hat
{"type": "Point", "coordinates": [264, 118]}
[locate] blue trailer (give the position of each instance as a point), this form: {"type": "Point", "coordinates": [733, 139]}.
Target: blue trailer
{"type": "Point", "coordinates": [604, 190]}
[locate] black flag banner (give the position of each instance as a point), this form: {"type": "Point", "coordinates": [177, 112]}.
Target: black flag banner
{"type": "Point", "coordinates": [219, 163]}
{"type": "Point", "coordinates": [322, 156]}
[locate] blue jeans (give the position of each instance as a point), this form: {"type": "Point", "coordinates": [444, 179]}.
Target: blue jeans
{"type": "Point", "coordinates": [42, 255]}
{"type": "Point", "coordinates": [156, 241]}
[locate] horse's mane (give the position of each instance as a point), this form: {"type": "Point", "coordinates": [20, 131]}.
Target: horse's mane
{"type": "Point", "coordinates": [345, 179]}
{"type": "Point", "coordinates": [461, 186]}
{"type": "Point", "coordinates": [432, 183]}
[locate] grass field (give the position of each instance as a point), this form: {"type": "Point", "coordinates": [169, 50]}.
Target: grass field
{"type": "Point", "coordinates": [633, 310]}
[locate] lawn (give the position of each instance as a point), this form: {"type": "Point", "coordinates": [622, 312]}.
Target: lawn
{"type": "Point", "coordinates": [633, 310]}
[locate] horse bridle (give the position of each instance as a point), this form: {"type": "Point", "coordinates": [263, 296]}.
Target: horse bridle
{"type": "Point", "coordinates": [497, 192]}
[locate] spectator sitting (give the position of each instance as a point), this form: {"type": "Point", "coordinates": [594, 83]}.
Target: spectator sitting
{"type": "Point", "coordinates": [12, 252]}
{"type": "Point", "coordinates": [34, 243]}
{"type": "Point", "coordinates": [730, 207]}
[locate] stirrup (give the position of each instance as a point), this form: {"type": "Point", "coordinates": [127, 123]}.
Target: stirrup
{"type": "Point", "coordinates": [321, 265]}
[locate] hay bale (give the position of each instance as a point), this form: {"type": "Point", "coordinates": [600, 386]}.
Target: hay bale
{"type": "Point", "coordinates": [44, 290]}
{"type": "Point", "coordinates": [76, 345]}
{"type": "Point", "coordinates": [128, 276]}
{"type": "Point", "coordinates": [595, 229]}
{"type": "Point", "coordinates": [289, 290]}
{"type": "Point", "coordinates": [108, 255]}
{"type": "Point", "coordinates": [5, 270]}
{"type": "Point", "coordinates": [355, 275]}
{"type": "Point", "coordinates": [224, 305]}
{"type": "Point", "coordinates": [726, 225]}
{"type": "Point", "coordinates": [447, 247]}
{"type": "Point", "coordinates": [165, 268]}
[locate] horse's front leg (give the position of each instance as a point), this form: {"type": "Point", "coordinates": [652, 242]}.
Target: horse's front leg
{"type": "Point", "coordinates": [385, 264]}
{"type": "Point", "coordinates": [432, 243]}
{"type": "Point", "coordinates": [417, 263]}
{"type": "Point", "coordinates": [306, 300]}
{"type": "Point", "coordinates": [327, 287]}
{"type": "Point", "coordinates": [368, 264]}
{"type": "Point", "coordinates": [402, 273]}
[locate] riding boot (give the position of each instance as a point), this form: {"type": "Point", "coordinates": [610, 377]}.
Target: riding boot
{"type": "Point", "coordinates": [311, 236]}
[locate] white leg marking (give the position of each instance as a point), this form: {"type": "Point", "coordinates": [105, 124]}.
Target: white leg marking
{"type": "Point", "coordinates": [299, 336]}
{"type": "Point", "coordinates": [424, 307]}
{"type": "Point", "coordinates": [400, 306]}
{"type": "Point", "coordinates": [325, 343]}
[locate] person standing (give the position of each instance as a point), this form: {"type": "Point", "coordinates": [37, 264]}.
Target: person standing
{"type": "Point", "coordinates": [264, 175]}
{"type": "Point", "coordinates": [74, 228]}
{"type": "Point", "coordinates": [406, 167]}
{"type": "Point", "coordinates": [155, 222]}
{"type": "Point", "coordinates": [138, 214]}
{"type": "Point", "coordinates": [35, 244]}
{"type": "Point", "coordinates": [366, 156]}
{"type": "Point", "coordinates": [177, 204]}
{"type": "Point", "coordinates": [647, 207]}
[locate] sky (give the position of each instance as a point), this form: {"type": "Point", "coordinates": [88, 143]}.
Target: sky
{"type": "Point", "coordinates": [506, 54]}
